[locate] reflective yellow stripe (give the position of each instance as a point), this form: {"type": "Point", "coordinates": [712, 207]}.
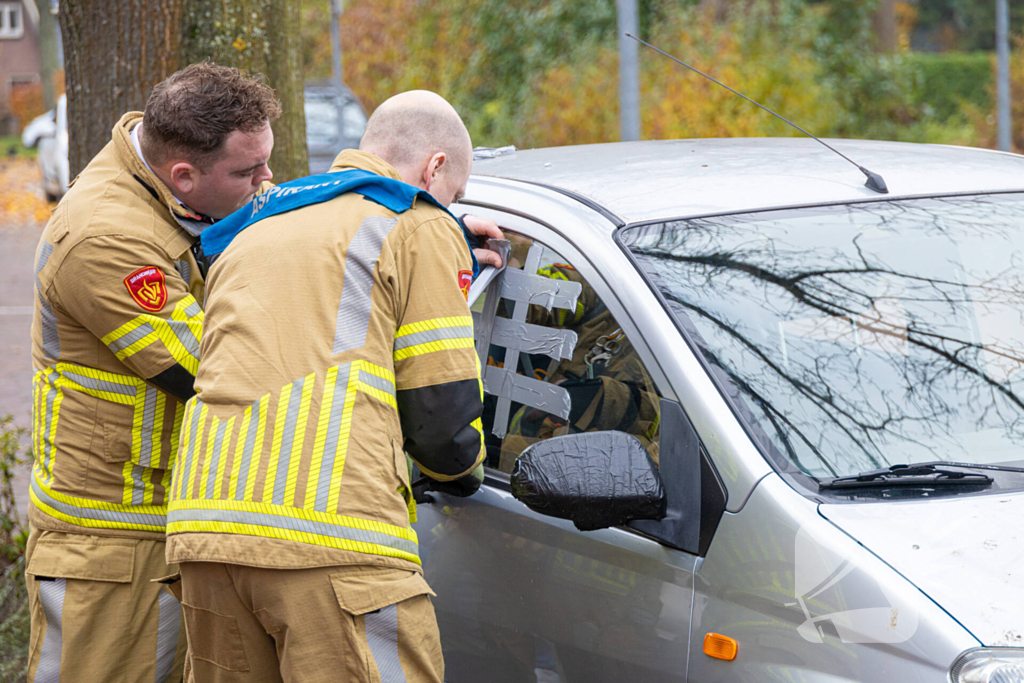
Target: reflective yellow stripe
{"type": "Point", "coordinates": [430, 347]}
{"type": "Point", "coordinates": [257, 451]}
{"type": "Point", "coordinates": [93, 513]}
{"type": "Point", "coordinates": [275, 446]}
{"type": "Point", "coordinates": [433, 324]}
{"type": "Point", "coordinates": [212, 432]}
{"type": "Point", "coordinates": [344, 429]}
{"type": "Point", "coordinates": [196, 450]}
{"type": "Point", "coordinates": [295, 457]}
{"type": "Point", "coordinates": [294, 524]}
{"type": "Point", "coordinates": [326, 404]}
{"type": "Point", "coordinates": [216, 471]}
{"type": "Point", "coordinates": [180, 335]}
{"type": "Point", "coordinates": [106, 385]}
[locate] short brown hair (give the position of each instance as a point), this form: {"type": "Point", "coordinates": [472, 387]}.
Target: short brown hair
{"type": "Point", "coordinates": [192, 112]}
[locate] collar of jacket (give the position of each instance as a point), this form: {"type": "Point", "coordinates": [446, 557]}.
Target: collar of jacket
{"type": "Point", "coordinates": [354, 158]}
{"type": "Point", "coordinates": [191, 223]}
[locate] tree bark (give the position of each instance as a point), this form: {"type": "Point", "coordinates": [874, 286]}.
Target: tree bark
{"type": "Point", "coordinates": [259, 36]}
{"type": "Point", "coordinates": [886, 29]}
{"type": "Point", "coordinates": [114, 53]}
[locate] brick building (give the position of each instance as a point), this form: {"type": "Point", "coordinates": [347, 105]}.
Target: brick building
{"type": "Point", "coordinates": [19, 56]}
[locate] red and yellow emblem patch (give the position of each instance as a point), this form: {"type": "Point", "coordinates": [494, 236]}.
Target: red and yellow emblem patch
{"type": "Point", "coordinates": [465, 280]}
{"type": "Point", "coordinates": [148, 287]}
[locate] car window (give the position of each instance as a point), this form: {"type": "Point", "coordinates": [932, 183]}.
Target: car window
{"type": "Point", "coordinates": [557, 361]}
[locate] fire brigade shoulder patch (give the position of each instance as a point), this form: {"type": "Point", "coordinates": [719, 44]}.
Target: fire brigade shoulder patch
{"type": "Point", "coordinates": [465, 280]}
{"type": "Point", "coordinates": [148, 287]}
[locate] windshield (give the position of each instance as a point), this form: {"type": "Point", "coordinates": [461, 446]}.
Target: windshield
{"type": "Point", "coordinates": [858, 336]}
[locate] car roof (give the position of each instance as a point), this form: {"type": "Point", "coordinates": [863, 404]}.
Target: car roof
{"type": "Point", "coordinates": [651, 180]}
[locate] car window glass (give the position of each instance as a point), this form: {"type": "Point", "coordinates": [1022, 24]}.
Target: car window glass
{"type": "Point", "coordinates": [574, 350]}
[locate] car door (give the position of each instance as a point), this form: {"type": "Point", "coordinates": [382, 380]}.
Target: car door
{"type": "Point", "coordinates": [526, 597]}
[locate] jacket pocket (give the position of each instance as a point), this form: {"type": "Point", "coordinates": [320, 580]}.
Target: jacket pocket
{"type": "Point", "coordinates": [114, 424]}
{"type": "Point", "coordinates": [361, 591]}
{"type": "Point", "coordinates": [95, 559]}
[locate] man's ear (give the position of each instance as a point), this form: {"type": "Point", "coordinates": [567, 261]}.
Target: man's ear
{"type": "Point", "coordinates": [184, 177]}
{"type": "Point", "coordinates": [433, 167]}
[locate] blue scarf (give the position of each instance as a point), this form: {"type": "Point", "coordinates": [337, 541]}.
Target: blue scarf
{"type": "Point", "coordinates": [390, 193]}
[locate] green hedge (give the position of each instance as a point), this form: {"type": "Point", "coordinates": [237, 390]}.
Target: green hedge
{"type": "Point", "coordinates": [949, 80]}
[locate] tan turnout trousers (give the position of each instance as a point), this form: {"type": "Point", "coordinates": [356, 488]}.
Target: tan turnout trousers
{"type": "Point", "coordinates": [96, 616]}
{"type": "Point", "coordinates": [351, 624]}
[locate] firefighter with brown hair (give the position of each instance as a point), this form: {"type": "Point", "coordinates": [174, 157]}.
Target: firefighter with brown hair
{"type": "Point", "coordinates": [337, 338]}
{"type": "Point", "coordinates": [115, 345]}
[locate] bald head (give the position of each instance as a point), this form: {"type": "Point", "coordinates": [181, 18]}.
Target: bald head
{"type": "Point", "coordinates": [423, 137]}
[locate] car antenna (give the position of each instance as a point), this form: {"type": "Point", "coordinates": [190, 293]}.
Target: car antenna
{"type": "Point", "coordinates": [874, 181]}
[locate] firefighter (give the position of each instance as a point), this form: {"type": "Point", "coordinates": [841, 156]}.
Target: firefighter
{"type": "Point", "coordinates": [609, 388]}
{"type": "Point", "coordinates": [115, 345]}
{"type": "Point", "coordinates": [337, 338]}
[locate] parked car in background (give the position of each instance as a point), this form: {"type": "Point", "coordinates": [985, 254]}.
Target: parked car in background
{"type": "Point", "coordinates": [49, 132]}
{"type": "Point", "coordinates": [334, 121]}
{"type": "Point", "coordinates": [815, 384]}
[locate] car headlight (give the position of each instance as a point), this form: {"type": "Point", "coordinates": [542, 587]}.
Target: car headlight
{"type": "Point", "coordinates": [989, 665]}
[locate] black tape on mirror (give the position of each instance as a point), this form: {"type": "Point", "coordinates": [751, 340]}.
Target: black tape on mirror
{"type": "Point", "coordinates": [595, 479]}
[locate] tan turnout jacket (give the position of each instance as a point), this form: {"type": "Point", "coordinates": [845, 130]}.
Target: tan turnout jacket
{"type": "Point", "coordinates": [337, 336]}
{"type": "Point", "coordinates": [118, 301]}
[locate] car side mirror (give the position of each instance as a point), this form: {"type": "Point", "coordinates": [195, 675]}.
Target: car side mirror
{"type": "Point", "coordinates": [594, 479]}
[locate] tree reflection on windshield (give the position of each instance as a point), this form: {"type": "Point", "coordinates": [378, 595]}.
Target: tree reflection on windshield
{"type": "Point", "coordinates": [858, 336]}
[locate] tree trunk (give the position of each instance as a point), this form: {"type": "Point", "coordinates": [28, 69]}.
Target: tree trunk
{"type": "Point", "coordinates": [259, 36]}
{"type": "Point", "coordinates": [48, 62]}
{"type": "Point", "coordinates": [886, 29]}
{"type": "Point", "coordinates": [114, 52]}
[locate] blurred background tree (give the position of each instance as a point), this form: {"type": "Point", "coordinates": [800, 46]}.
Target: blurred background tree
{"type": "Point", "coordinates": [544, 72]}
{"type": "Point", "coordinates": [257, 36]}
{"type": "Point", "coordinates": [115, 51]}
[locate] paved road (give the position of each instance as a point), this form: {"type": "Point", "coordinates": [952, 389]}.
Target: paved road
{"type": "Point", "coordinates": [20, 227]}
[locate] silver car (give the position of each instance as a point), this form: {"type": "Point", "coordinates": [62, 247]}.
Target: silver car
{"type": "Point", "coordinates": [746, 419]}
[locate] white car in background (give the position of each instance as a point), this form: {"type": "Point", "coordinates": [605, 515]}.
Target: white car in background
{"type": "Point", "coordinates": [49, 133]}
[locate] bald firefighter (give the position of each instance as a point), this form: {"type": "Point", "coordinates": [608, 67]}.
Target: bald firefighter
{"type": "Point", "coordinates": [115, 345]}
{"type": "Point", "coordinates": [337, 338]}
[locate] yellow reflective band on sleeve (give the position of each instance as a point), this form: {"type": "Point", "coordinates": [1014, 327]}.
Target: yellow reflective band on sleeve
{"type": "Point", "coordinates": [106, 385]}
{"type": "Point", "coordinates": [180, 334]}
{"type": "Point", "coordinates": [293, 524]}
{"type": "Point", "coordinates": [437, 334]}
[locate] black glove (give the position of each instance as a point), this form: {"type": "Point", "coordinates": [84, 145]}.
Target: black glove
{"type": "Point", "coordinates": [463, 487]}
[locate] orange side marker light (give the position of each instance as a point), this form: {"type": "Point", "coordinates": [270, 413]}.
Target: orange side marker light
{"type": "Point", "coordinates": [720, 647]}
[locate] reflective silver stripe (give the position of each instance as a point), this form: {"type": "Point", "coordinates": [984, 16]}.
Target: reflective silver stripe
{"type": "Point", "coordinates": [250, 441]}
{"type": "Point", "coordinates": [168, 627]}
{"type": "Point", "coordinates": [438, 334]}
{"type": "Point", "coordinates": [51, 597]}
{"type": "Point", "coordinates": [211, 477]}
{"type": "Point", "coordinates": [287, 440]}
{"type": "Point", "coordinates": [323, 486]}
{"type": "Point", "coordinates": [193, 309]}
{"type": "Point", "coordinates": [382, 637]}
{"type": "Point", "coordinates": [308, 526]}
{"type": "Point", "coordinates": [129, 338]}
{"type": "Point", "coordinates": [138, 484]}
{"type": "Point", "coordinates": [148, 419]}
{"type": "Point", "coordinates": [51, 340]}
{"type": "Point", "coordinates": [193, 439]}
{"type": "Point", "coordinates": [385, 385]}
{"type": "Point", "coordinates": [185, 271]}
{"type": "Point", "coordinates": [184, 334]}
{"type": "Point", "coordinates": [360, 260]}
{"type": "Point", "coordinates": [48, 438]}
{"type": "Point", "coordinates": [100, 384]}
{"type": "Point", "coordinates": [84, 513]}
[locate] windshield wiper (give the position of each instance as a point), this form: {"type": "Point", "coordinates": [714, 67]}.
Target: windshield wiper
{"type": "Point", "coordinates": [924, 474]}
